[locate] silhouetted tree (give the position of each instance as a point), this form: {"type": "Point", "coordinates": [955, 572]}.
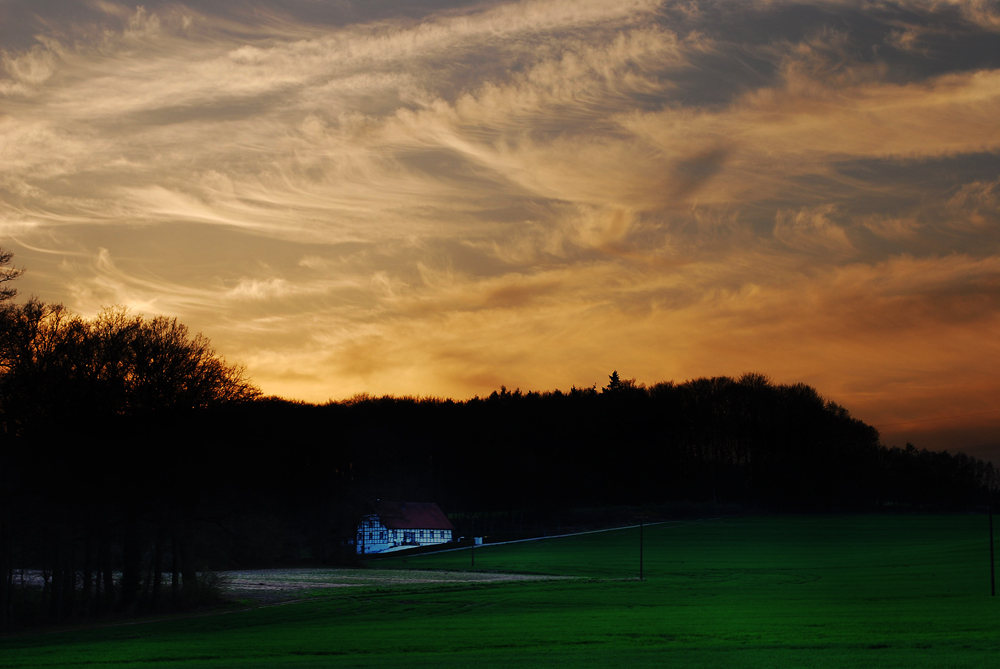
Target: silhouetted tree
{"type": "Point", "coordinates": [7, 274]}
{"type": "Point", "coordinates": [125, 387]}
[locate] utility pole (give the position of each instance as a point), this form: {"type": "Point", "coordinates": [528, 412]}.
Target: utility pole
{"type": "Point", "coordinates": [474, 543]}
{"type": "Point", "coordinates": [640, 549]}
{"type": "Point", "coordinates": [641, 522]}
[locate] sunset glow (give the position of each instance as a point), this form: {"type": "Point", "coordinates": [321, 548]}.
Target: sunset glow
{"type": "Point", "coordinates": [440, 197]}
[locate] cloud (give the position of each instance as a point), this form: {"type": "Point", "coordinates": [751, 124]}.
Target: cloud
{"type": "Point", "coordinates": [890, 227]}
{"type": "Point", "coordinates": [26, 71]}
{"type": "Point", "coordinates": [256, 289]}
{"type": "Point", "coordinates": [977, 205]}
{"type": "Point", "coordinates": [804, 125]}
{"type": "Point", "coordinates": [812, 230]}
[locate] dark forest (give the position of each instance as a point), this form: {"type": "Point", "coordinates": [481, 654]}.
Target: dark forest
{"type": "Point", "coordinates": [130, 449]}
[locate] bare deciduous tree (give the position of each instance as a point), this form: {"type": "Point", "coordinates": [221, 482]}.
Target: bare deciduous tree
{"type": "Point", "coordinates": [7, 274]}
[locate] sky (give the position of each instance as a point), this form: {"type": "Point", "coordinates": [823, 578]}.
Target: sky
{"type": "Point", "coordinates": [439, 197]}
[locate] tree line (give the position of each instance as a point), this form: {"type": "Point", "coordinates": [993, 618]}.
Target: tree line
{"type": "Point", "coordinates": [87, 496]}
{"type": "Point", "coordinates": [134, 460]}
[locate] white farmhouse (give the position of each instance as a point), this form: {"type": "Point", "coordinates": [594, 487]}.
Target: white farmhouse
{"type": "Point", "coordinates": [397, 525]}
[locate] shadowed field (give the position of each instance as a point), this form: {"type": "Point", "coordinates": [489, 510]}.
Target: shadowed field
{"type": "Point", "coordinates": [875, 591]}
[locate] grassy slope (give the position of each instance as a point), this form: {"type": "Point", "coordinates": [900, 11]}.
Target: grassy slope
{"type": "Point", "coordinates": [773, 591]}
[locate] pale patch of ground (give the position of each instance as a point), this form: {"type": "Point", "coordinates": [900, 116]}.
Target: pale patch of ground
{"type": "Point", "coordinates": [269, 586]}
{"type": "Point", "coordinates": [272, 585]}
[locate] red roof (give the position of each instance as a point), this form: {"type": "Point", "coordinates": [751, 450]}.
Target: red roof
{"type": "Point", "coordinates": [412, 516]}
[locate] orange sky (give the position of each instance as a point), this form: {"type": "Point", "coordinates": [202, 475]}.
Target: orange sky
{"type": "Point", "coordinates": [441, 197]}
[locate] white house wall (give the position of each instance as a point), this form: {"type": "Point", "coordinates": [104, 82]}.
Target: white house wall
{"type": "Point", "coordinates": [374, 537]}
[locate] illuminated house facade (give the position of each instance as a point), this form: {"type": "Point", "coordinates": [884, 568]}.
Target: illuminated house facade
{"type": "Point", "coordinates": [399, 525]}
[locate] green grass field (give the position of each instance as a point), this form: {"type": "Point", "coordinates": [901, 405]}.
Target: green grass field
{"type": "Point", "coordinates": [781, 591]}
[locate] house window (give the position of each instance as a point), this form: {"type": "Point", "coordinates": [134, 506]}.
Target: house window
{"type": "Point", "coordinates": [421, 534]}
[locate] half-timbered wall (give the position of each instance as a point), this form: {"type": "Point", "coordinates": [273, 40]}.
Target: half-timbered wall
{"type": "Point", "coordinates": [374, 537]}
